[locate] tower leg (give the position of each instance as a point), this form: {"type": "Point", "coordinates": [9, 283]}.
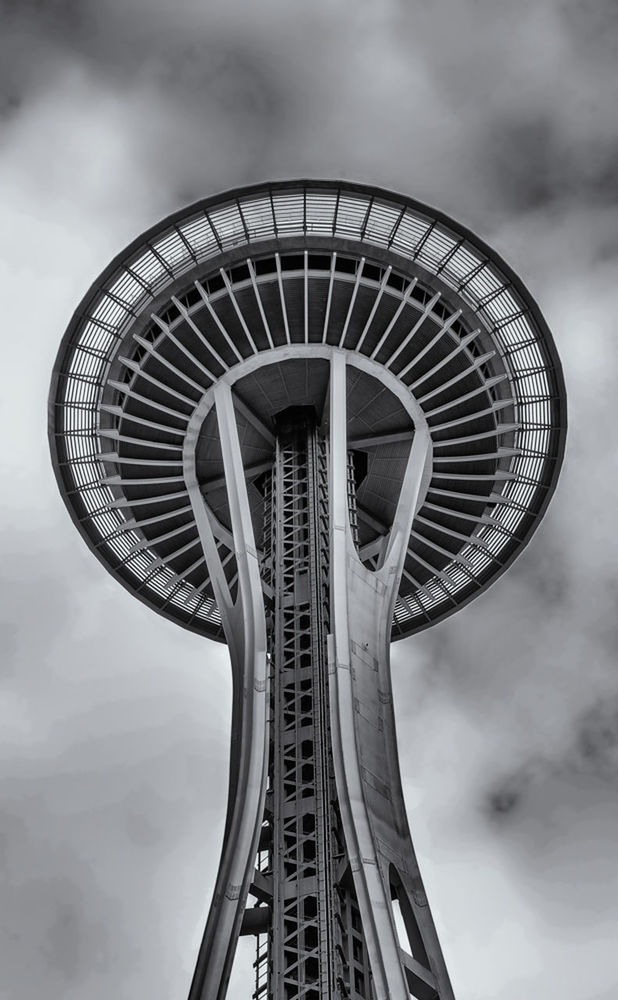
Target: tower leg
{"type": "Point", "coordinates": [245, 629]}
{"type": "Point", "coordinates": [364, 748]}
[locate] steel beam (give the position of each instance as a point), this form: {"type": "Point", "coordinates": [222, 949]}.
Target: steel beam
{"type": "Point", "coordinates": [244, 623]}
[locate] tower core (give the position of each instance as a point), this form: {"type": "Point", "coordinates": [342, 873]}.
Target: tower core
{"type": "Point", "coordinates": [309, 418]}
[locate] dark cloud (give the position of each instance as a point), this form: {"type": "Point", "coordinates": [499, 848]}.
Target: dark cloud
{"type": "Point", "coordinates": [189, 63]}
{"type": "Point", "coordinates": [533, 163]}
{"type": "Point", "coordinates": [237, 97]}
{"type": "Point", "coordinates": [594, 26]}
{"type": "Point", "coordinates": [192, 98]}
{"type": "Point", "coordinates": [525, 159]}
{"type": "Point", "coordinates": [592, 752]}
{"type": "Point", "coordinates": [501, 802]}
{"type": "Point", "coordinates": [597, 743]}
{"type": "Point", "coordinates": [10, 106]}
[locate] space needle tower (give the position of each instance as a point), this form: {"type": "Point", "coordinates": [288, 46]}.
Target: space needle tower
{"type": "Point", "coordinates": [308, 419]}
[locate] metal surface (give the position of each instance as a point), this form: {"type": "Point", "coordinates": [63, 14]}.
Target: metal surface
{"type": "Point", "coordinates": [245, 624]}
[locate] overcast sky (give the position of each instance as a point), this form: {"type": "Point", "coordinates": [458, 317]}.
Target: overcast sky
{"type": "Point", "coordinates": [114, 722]}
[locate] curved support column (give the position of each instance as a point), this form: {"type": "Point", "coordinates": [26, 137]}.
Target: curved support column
{"type": "Point", "coordinates": [359, 705]}
{"type": "Point", "coordinates": [245, 630]}
{"type": "Point", "coordinates": [363, 730]}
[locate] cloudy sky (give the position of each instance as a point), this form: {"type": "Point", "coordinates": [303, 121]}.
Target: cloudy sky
{"type": "Point", "coordinates": [113, 721]}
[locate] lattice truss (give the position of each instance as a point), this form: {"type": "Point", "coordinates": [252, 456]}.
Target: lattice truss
{"type": "Point", "coordinates": [314, 945]}
{"type": "Point", "coordinates": [309, 266]}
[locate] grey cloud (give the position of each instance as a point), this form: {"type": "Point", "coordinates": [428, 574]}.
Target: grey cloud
{"type": "Point", "coordinates": [504, 131]}
{"type": "Point", "coordinates": [597, 743]}
{"type": "Point", "coordinates": [219, 94]}
{"type": "Point", "coordinates": [58, 924]}
{"type": "Point", "coordinates": [506, 798]}
{"type": "Point", "coordinates": [593, 752]}
{"type": "Point", "coordinates": [594, 26]}
{"type": "Point", "coordinates": [81, 737]}
{"type": "Point", "coordinates": [114, 724]}
{"type": "Point", "coordinates": [523, 156]}
{"type": "Point", "coordinates": [533, 163]}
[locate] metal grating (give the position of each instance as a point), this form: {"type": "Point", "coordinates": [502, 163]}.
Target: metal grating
{"type": "Point", "coordinates": [302, 263]}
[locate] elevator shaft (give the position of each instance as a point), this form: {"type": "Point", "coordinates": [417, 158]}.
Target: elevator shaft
{"type": "Point", "coordinates": [312, 937]}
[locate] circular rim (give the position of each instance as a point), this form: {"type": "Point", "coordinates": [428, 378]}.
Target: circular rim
{"type": "Point", "coordinates": [433, 249]}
